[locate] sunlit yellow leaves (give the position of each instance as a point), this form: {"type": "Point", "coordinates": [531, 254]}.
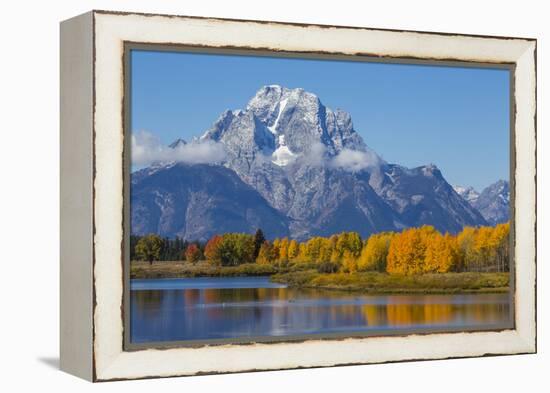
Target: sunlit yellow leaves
{"type": "Point", "coordinates": [375, 252]}
{"type": "Point", "coordinates": [410, 252]}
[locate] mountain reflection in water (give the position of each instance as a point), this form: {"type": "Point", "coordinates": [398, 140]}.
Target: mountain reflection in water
{"type": "Point", "coordinates": [241, 307]}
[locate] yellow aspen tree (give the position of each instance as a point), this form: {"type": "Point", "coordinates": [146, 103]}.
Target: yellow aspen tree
{"type": "Point", "coordinates": [375, 252]}
{"type": "Point", "coordinates": [265, 255]}
{"type": "Point", "coordinates": [333, 240]}
{"type": "Point", "coordinates": [283, 250]}
{"type": "Point", "coordinates": [398, 253]}
{"type": "Point", "coordinates": [334, 256]}
{"type": "Point", "coordinates": [483, 248]}
{"type": "Point", "coordinates": [452, 245]}
{"type": "Point", "coordinates": [302, 253]}
{"type": "Point", "coordinates": [349, 262]}
{"type": "Point", "coordinates": [325, 250]}
{"type": "Point", "coordinates": [354, 244]}
{"type": "Point", "coordinates": [293, 250]}
{"type": "Point", "coordinates": [501, 243]}
{"type": "Point", "coordinates": [439, 258]}
{"type": "Point", "coordinates": [407, 251]}
{"type": "Point", "coordinates": [465, 246]}
{"type": "Point", "coordinates": [275, 249]}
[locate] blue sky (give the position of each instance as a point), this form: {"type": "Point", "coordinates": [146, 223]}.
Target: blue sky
{"type": "Point", "coordinates": [456, 118]}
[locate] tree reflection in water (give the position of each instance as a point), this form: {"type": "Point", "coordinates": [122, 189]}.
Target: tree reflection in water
{"type": "Point", "coordinates": [210, 313]}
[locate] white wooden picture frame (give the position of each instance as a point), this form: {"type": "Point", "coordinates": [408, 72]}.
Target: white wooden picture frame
{"type": "Point", "coordinates": [93, 186]}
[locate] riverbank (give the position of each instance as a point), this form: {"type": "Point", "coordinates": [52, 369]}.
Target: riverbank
{"type": "Point", "coordinates": [365, 282]}
{"type": "Point", "coordinates": [182, 269]}
{"type": "Point", "coordinates": [372, 282]}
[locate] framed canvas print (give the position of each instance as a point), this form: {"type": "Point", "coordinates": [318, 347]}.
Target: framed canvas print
{"type": "Point", "coordinates": [248, 195]}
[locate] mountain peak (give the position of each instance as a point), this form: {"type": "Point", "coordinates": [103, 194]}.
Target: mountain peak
{"type": "Point", "coordinates": [500, 188]}
{"type": "Point", "coordinates": [178, 143]}
{"type": "Point", "coordinates": [468, 193]}
{"type": "Point", "coordinates": [309, 164]}
{"type": "Point", "coordinates": [296, 120]}
{"type": "Point", "coordinates": [270, 100]}
{"type": "Point", "coordinates": [493, 202]}
{"type": "Point", "coordinates": [431, 170]}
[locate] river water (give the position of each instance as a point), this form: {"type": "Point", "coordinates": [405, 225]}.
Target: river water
{"type": "Point", "coordinates": [164, 310]}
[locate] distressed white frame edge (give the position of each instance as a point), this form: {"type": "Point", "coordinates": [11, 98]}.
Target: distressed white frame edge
{"type": "Point", "coordinates": [76, 175]}
{"type": "Point", "coordinates": [111, 30]}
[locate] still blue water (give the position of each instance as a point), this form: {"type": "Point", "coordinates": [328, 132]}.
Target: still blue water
{"type": "Point", "coordinates": [240, 307]}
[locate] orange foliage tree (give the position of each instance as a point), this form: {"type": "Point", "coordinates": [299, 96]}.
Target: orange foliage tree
{"type": "Point", "coordinates": [412, 251]}
{"type": "Point", "coordinates": [192, 253]}
{"type": "Point", "coordinates": [212, 250]}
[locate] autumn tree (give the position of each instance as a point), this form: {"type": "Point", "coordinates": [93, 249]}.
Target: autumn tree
{"type": "Point", "coordinates": [407, 251]}
{"type": "Point", "coordinates": [375, 252]}
{"type": "Point", "coordinates": [349, 262]}
{"type": "Point", "coordinates": [259, 240]}
{"type": "Point", "coordinates": [412, 251]}
{"type": "Point", "coordinates": [501, 241]}
{"type": "Point", "coordinates": [313, 246]}
{"type": "Point", "coordinates": [325, 250]}
{"type": "Point", "coordinates": [149, 248]}
{"type": "Point", "coordinates": [192, 253]}
{"type": "Point", "coordinates": [265, 255]}
{"type": "Point", "coordinates": [236, 248]}
{"type": "Point", "coordinates": [440, 257]}
{"type": "Point", "coordinates": [484, 248]}
{"type": "Point", "coordinates": [212, 250]}
{"type": "Point", "coordinates": [293, 250]}
{"type": "Point", "coordinates": [346, 241]}
{"type": "Point", "coordinates": [275, 246]}
{"type": "Point", "coordinates": [302, 253]}
{"type": "Point", "coordinates": [465, 247]}
{"type": "Point", "coordinates": [283, 251]}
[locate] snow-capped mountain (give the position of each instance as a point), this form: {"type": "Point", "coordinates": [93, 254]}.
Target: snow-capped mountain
{"type": "Point", "coordinates": [468, 193]}
{"type": "Point", "coordinates": [310, 165]}
{"type": "Point", "coordinates": [493, 202]}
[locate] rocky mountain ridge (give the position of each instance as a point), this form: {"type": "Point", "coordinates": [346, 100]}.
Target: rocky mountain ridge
{"type": "Point", "coordinates": [311, 166]}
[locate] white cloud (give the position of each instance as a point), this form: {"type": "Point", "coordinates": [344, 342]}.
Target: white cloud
{"type": "Point", "coordinates": [315, 156]}
{"type": "Point", "coordinates": [355, 160]}
{"type": "Point", "coordinates": [147, 148]}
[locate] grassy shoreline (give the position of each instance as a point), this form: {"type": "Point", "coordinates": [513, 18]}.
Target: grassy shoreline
{"type": "Point", "coordinates": [379, 283]}
{"type": "Point", "coordinates": [182, 269]}
{"type": "Point", "coordinates": [363, 282]}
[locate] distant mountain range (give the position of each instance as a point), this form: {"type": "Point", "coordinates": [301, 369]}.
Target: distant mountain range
{"type": "Point", "coordinates": [296, 168]}
{"type": "Point", "coordinates": [493, 202]}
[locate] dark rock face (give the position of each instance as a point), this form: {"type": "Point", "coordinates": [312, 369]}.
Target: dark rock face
{"type": "Point", "coordinates": [306, 169]}
{"type": "Point", "coordinates": [198, 201]}
{"type": "Point", "coordinates": [494, 202]}
{"type": "Point", "coordinates": [423, 197]}
{"type": "Point", "coordinates": [329, 201]}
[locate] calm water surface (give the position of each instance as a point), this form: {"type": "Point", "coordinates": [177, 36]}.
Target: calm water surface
{"type": "Point", "coordinates": [240, 307]}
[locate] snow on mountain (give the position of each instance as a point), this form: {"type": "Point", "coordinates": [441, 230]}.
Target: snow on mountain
{"type": "Point", "coordinates": [493, 202]}
{"type": "Point", "coordinates": [282, 105]}
{"type": "Point", "coordinates": [282, 155]}
{"type": "Point", "coordinates": [309, 164]}
{"type": "Point", "coordinates": [468, 193]}
{"type": "Point", "coordinates": [303, 120]}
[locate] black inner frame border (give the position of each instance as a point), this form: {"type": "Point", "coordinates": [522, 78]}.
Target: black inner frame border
{"type": "Point", "coordinates": [130, 46]}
